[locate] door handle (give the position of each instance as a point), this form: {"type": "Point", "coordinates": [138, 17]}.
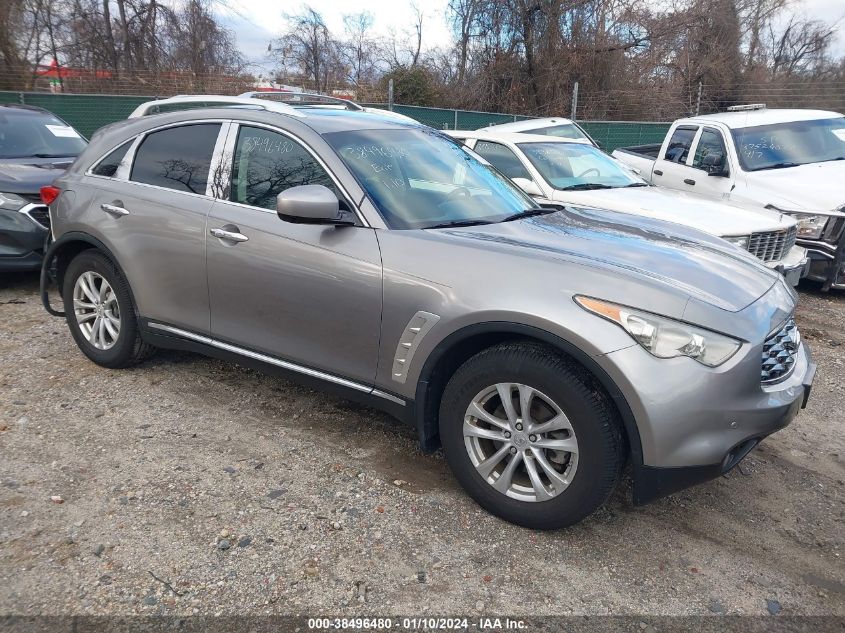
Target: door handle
{"type": "Point", "coordinates": [657, 172]}
{"type": "Point", "coordinates": [231, 236]}
{"type": "Point", "coordinates": [689, 181]}
{"type": "Point", "coordinates": [115, 210]}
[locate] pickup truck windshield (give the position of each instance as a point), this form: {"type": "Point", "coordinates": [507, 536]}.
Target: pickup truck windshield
{"type": "Point", "coordinates": [418, 179]}
{"type": "Point", "coordinates": [32, 134]}
{"type": "Point", "coordinates": [789, 144]}
{"type": "Point", "coordinates": [576, 166]}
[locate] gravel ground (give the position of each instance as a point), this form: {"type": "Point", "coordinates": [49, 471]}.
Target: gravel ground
{"type": "Point", "coordinates": [189, 485]}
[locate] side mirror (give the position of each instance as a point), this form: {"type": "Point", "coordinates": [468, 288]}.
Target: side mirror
{"type": "Point", "coordinates": [310, 204]}
{"type": "Point", "coordinates": [528, 186]}
{"type": "Point", "coordinates": [714, 164]}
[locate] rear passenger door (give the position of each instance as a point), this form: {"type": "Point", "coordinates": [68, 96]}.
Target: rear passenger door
{"type": "Point", "coordinates": [151, 208]}
{"type": "Point", "coordinates": [670, 168]}
{"type": "Point", "coordinates": [304, 293]}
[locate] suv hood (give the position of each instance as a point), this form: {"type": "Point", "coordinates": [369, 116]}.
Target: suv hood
{"type": "Point", "coordinates": [28, 175]}
{"type": "Point", "coordinates": [689, 209]}
{"type": "Point", "coordinates": [686, 260]}
{"type": "Point", "coordinates": [811, 187]}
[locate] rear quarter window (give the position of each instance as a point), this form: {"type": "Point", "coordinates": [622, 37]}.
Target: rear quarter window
{"type": "Point", "coordinates": [109, 165]}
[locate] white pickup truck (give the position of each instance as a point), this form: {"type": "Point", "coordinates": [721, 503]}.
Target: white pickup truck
{"type": "Point", "coordinates": [564, 171]}
{"type": "Point", "coordinates": [792, 161]}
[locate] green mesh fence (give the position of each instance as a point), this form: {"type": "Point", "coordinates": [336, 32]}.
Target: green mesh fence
{"type": "Point", "coordinates": [87, 113]}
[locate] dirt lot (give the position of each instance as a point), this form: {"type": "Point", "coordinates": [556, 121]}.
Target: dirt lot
{"type": "Point", "coordinates": [189, 485]}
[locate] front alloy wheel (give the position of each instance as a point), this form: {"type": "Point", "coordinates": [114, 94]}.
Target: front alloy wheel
{"type": "Point", "coordinates": [520, 442]}
{"type": "Point", "coordinates": [531, 435]}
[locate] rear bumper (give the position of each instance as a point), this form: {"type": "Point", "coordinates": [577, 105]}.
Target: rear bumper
{"type": "Point", "coordinates": [652, 482]}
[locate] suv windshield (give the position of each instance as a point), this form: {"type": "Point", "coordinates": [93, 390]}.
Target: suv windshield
{"type": "Point", "coordinates": [577, 166]}
{"type": "Point", "coordinates": [790, 144]}
{"type": "Point", "coordinates": [419, 179]}
{"type": "Point", "coordinates": [26, 134]}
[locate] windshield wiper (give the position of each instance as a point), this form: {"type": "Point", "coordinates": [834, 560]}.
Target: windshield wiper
{"type": "Point", "coordinates": [529, 213]}
{"type": "Point", "coordinates": [53, 155]}
{"type": "Point", "coordinates": [586, 186]}
{"type": "Point", "coordinates": [777, 166]}
{"type": "Point", "coordinates": [636, 184]}
{"type": "Point", "coordinates": [458, 223]}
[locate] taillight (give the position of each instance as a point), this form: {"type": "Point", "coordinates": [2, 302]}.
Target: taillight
{"type": "Point", "coordinates": [49, 194]}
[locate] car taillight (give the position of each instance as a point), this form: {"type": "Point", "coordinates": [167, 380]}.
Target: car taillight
{"type": "Point", "coordinates": [49, 194]}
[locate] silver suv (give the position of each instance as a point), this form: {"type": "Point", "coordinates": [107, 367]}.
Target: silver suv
{"type": "Point", "coordinates": [542, 349]}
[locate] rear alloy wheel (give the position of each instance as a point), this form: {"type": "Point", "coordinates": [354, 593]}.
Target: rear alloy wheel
{"type": "Point", "coordinates": [96, 310]}
{"type": "Point", "coordinates": [100, 312]}
{"type": "Point", "coordinates": [530, 435]}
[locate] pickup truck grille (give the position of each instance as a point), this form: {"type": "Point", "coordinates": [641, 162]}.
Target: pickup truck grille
{"type": "Point", "coordinates": [772, 245]}
{"type": "Point", "coordinates": [779, 353]}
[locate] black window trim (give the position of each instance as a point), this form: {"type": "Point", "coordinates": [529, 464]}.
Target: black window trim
{"type": "Point", "coordinates": [228, 156]}
{"type": "Point", "coordinates": [128, 161]}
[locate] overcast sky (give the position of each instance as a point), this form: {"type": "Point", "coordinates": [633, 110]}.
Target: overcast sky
{"type": "Point", "coordinates": [257, 22]}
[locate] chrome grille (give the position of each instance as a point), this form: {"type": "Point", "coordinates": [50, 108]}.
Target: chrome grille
{"type": "Point", "coordinates": [779, 353]}
{"type": "Point", "coordinates": [41, 215]}
{"type": "Point", "coordinates": [771, 246]}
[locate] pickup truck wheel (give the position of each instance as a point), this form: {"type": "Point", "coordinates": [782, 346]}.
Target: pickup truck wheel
{"type": "Point", "coordinates": [100, 314]}
{"type": "Point", "coordinates": [529, 436]}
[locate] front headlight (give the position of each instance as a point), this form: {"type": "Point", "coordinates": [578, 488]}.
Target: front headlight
{"type": "Point", "coordinates": [811, 226]}
{"type": "Point", "coordinates": [738, 240]}
{"type": "Point", "coordinates": [11, 202]}
{"type": "Point", "coordinates": [666, 338]}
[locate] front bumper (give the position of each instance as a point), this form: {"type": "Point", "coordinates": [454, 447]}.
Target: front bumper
{"type": "Point", "coordinates": [827, 262]}
{"type": "Point", "coordinates": [697, 423]}
{"type": "Point", "coordinates": [794, 266]}
{"type": "Point", "coordinates": [21, 241]}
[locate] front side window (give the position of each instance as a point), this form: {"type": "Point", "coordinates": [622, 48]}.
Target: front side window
{"type": "Point", "coordinates": [562, 130]}
{"type": "Point", "coordinates": [791, 143]}
{"type": "Point", "coordinates": [710, 153]}
{"type": "Point", "coordinates": [679, 144]}
{"type": "Point", "coordinates": [28, 133]}
{"type": "Point", "coordinates": [266, 163]}
{"type": "Point", "coordinates": [572, 166]}
{"type": "Point", "coordinates": [502, 158]}
{"type": "Point", "coordinates": [111, 163]}
{"type": "Point", "coordinates": [177, 158]}
{"type": "Point", "coordinates": [416, 178]}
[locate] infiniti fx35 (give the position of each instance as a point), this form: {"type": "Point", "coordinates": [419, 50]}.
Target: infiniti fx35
{"type": "Point", "coordinates": [542, 349]}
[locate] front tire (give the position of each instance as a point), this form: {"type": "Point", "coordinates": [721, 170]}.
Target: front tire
{"type": "Point", "coordinates": [100, 313]}
{"type": "Point", "coordinates": [530, 436]}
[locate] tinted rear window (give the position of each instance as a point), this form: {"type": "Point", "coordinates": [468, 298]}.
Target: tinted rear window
{"type": "Point", "coordinates": [177, 158]}
{"type": "Point", "coordinates": [30, 134]}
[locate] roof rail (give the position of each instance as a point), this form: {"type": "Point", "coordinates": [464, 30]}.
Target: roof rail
{"type": "Point", "coordinates": [301, 98]}
{"type": "Point", "coordinates": [745, 108]}
{"type": "Point", "coordinates": [263, 104]}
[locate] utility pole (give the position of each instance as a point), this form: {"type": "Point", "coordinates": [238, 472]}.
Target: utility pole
{"type": "Point", "coordinates": [698, 101]}
{"type": "Point", "coordinates": [574, 101]}
{"type": "Point", "coordinates": [390, 94]}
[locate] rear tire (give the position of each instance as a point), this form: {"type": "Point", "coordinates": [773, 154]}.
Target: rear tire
{"type": "Point", "coordinates": [565, 469]}
{"type": "Point", "coordinates": [100, 312]}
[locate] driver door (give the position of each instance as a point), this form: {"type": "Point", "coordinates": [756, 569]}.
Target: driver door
{"type": "Point", "coordinates": [709, 147]}
{"type": "Point", "coordinates": [306, 293]}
